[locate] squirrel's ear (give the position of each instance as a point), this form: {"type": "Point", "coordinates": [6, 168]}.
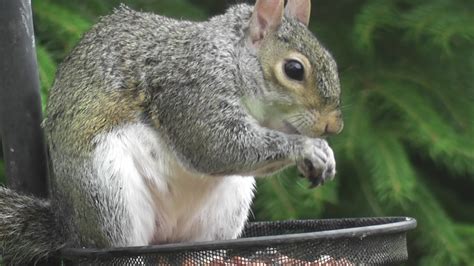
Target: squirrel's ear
{"type": "Point", "coordinates": [299, 9]}
{"type": "Point", "coordinates": [267, 17]}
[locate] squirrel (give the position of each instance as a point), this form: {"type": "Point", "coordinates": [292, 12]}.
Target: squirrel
{"type": "Point", "coordinates": [157, 127]}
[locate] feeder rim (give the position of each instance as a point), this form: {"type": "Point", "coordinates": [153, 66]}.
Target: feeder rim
{"type": "Point", "coordinates": [402, 225]}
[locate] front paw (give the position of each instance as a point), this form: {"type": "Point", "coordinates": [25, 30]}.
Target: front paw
{"type": "Point", "coordinates": [317, 162]}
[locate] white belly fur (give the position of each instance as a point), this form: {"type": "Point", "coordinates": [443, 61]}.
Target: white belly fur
{"type": "Point", "coordinates": [167, 203]}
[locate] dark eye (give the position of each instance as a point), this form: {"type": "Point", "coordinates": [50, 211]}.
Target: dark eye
{"type": "Point", "coordinates": [294, 70]}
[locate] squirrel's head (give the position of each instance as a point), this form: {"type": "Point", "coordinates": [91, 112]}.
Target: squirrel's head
{"type": "Point", "coordinates": [301, 93]}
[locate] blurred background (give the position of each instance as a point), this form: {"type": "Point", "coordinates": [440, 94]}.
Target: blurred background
{"type": "Point", "coordinates": [407, 149]}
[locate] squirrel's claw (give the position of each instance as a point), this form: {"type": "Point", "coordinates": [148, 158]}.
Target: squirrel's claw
{"type": "Point", "coordinates": [314, 176]}
{"type": "Point", "coordinates": [319, 165]}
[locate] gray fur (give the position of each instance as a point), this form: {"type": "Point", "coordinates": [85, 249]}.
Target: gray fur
{"type": "Point", "coordinates": [28, 228]}
{"type": "Point", "coordinates": [187, 80]}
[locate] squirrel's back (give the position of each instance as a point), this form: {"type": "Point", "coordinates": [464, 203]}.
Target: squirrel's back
{"type": "Point", "coordinates": [109, 75]}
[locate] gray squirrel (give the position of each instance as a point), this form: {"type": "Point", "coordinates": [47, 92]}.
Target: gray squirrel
{"type": "Point", "coordinates": [156, 128]}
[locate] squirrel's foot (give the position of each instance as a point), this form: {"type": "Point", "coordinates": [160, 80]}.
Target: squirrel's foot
{"type": "Point", "coordinates": [318, 163]}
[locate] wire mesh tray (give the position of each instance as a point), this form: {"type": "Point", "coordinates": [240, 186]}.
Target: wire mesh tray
{"type": "Point", "coordinates": [354, 241]}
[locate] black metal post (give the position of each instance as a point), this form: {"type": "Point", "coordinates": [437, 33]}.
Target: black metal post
{"type": "Point", "coordinates": [20, 105]}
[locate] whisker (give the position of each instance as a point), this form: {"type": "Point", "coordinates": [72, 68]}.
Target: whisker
{"type": "Point", "coordinates": [346, 106]}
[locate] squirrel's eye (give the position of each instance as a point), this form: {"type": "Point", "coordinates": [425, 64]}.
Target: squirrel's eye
{"type": "Point", "coordinates": [294, 70]}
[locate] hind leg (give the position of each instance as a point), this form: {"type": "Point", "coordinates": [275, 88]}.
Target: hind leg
{"type": "Point", "coordinates": [226, 211]}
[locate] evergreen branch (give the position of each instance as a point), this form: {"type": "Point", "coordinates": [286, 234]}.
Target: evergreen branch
{"type": "Point", "coordinates": [170, 8]}
{"type": "Point", "coordinates": [454, 202]}
{"type": "Point", "coordinates": [283, 196]}
{"type": "Point", "coordinates": [441, 22]}
{"type": "Point", "coordinates": [356, 122]}
{"type": "Point", "coordinates": [454, 105]}
{"type": "Point", "coordinates": [369, 193]}
{"type": "Point", "coordinates": [327, 193]}
{"type": "Point", "coordinates": [89, 9]}
{"type": "Point", "coordinates": [373, 16]}
{"type": "Point", "coordinates": [427, 129]}
{"type": "Point", "coordinates": [391, 172]}
{"type": "Point", "coordinates": [47, 69]}
{"type": "Point", "coordinates": [176, 8]}
{"type": "Point", "coordinates": [68, 27]}
{"type": "Point", "coordinates": [272, 200]}
{"type": "Point", "coordinates": [436, 231]}
{"type": "Point", "coordinates": [466, 231]}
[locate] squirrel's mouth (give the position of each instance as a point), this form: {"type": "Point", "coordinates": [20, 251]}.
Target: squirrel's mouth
{"type": "Point", "coordinates": [289, 128]}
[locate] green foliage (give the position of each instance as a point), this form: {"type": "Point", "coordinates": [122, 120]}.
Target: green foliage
{"type": "Point", "coordinates": [437, 235]}
{"type": "Point", "coordinates": [391, 173]}
{"type": "Point", "coordinates": [407, 148]}
{"type": "Point", "coordinates": [59, 25]}
{"type": "Point", "coordinates": [291, 197]}
{"type": "Point", "coordinates": [47, 69]}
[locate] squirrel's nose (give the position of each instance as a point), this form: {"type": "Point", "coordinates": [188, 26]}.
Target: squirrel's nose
{"type": "Point", "coordinates": [333, 129]}
{"type": "Point", "coordinates": [334, 124]}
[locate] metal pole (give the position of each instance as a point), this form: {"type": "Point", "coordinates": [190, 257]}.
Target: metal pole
{"type": "Point", "coordinates": [20, 104]}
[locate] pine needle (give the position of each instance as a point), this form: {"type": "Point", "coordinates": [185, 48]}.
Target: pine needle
{"type": "Point", "coordinates": [47, 69]}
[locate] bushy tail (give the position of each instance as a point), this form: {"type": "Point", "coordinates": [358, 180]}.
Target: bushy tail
{"type": "Point", "coordinates": [28, 230]}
